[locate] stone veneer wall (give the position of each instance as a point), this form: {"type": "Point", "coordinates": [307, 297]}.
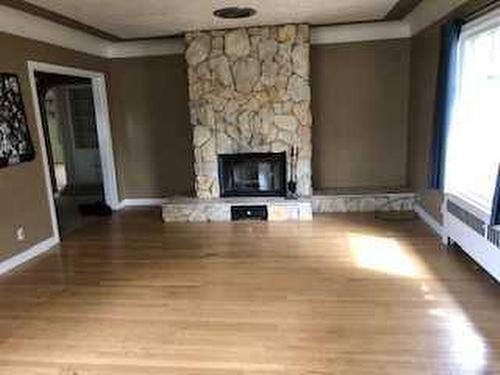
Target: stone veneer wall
{"type": "Point", "coordinates": [249, 91]}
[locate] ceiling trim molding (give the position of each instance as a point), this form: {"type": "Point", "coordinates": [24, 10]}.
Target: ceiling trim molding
{"type": "Point", "coordinates": [23, 24]}
{"type": "Point", "coordinates": [18, 22]}
{"type": "Point", "coordinates": [401, 9]}
{"type": "Point", "coordinates": [360, 32]}
{"type": "Point", "coordinates": [49, 15]}
{"type": "Point", "coordinates": [158, 47]}
{"type": "Point", "coordinates": [430, 11]}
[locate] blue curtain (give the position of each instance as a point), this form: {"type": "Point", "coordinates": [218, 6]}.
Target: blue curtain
{"type": "Point", "coordinates": [495, 213]}
{"type": "Point", "coordinates": [450, 34]}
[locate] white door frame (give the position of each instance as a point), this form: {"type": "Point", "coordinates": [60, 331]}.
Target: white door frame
{"type": "Point", "coordinates": [103, 132]}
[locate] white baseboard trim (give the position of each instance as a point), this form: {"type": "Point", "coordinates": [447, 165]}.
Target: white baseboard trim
{"type": "Point", "coordinates": [141, 202]}
{"type": "Point", "coordinates": [429, 220]}
{"type": "Point", "coordinates": [21, 258]}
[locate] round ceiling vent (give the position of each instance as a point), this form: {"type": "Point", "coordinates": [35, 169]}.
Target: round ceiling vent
{"type": "Point", "coordinates": [234, 12]}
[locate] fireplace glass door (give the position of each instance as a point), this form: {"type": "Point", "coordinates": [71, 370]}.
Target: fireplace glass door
{"type": "Point", "coordinates": [255, 174]}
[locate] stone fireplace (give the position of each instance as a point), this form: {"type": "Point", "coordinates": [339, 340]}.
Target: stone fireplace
{"type": "Point", "coordinates": [250, 105]}
{"type": "Point", "coordinates": [249, 91]}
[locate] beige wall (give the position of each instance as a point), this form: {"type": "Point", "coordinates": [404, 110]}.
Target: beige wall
{"type": "Point", "coordinates": [423, 77]}
{"type": "Point", "coordinates": [23, 199]}
{"type": "Point", "coordinates": [151, 131]}
{"type": "Point", "coordinates": [424, 65]}
{"type": "Point", "coordinates": [359, 95]}
{"type": "Point", "coordinates": [150, 126]}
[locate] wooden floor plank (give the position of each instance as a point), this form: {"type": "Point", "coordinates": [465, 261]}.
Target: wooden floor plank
{"type": "Point", "coordinates": [344, 294]}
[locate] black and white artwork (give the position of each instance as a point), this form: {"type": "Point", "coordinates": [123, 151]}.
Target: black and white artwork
{"type": "Point", "coordinates": [15, 141]}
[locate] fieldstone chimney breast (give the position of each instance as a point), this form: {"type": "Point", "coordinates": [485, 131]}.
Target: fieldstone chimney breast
{"type": "Point", "coordinates": [249, 91]}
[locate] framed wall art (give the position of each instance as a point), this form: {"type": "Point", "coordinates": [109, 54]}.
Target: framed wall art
{"type": "Point", "coordinates": [15, 141]}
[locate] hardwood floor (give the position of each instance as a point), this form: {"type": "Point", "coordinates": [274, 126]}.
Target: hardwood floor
{"type": "Point", "coordinates": [345, 294]}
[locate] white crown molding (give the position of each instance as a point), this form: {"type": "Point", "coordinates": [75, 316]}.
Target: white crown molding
{"type": "Point", "coordinates": [19, 23]}
{"type": "Point", "coordinates": [16, 22]}
{"type": "Point", "coordinates": [13, 21]}
{"type": "Point", "coordinates": [360, 32]}
{"type": "Point", "coordinates": [171, 46]}
{"type": "Point", "coordinates": [430, 11]}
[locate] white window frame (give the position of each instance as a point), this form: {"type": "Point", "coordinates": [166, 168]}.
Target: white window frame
{"type": "Point", "coordinates": [472, 28]}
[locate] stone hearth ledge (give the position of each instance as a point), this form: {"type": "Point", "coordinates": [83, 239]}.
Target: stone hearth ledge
{"type": "Point", "coordinates": [204, 210]}
{"type": "Point", "coordinates": [363, 202]}
{"type": "Point", "coordinates": [280, 209]}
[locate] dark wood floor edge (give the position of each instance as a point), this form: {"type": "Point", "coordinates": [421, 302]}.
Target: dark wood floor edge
{"type": "Point", "coordinates": [41, 12]}
{"type": "Point", "coordinates": [401, 9]}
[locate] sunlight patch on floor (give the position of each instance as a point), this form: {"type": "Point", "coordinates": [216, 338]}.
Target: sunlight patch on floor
{"type": "Point", "coordinates": [382, 254]}
{"type": "Point", "coordinates": [467, 347]}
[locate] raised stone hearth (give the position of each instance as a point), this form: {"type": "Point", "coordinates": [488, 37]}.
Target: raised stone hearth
{"type": "Point", "coordinates": [363, 202]}
{"type": "Point", "coordinates": [249, 91]}
{"type": "Point", "coordinates": [197, 210]}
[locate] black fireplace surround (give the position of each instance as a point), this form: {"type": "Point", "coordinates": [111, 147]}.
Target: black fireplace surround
{"type": "Point", "coordinates": [252, 175]}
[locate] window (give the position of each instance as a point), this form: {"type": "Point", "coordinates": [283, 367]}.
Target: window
{"type": "Point", "coordinates": [473, 152]}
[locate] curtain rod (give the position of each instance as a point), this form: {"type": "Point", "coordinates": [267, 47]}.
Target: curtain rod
{"type": "Point", "coordinates": [482, 10]}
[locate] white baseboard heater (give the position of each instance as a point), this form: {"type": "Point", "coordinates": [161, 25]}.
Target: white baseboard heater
{"type": "Point", "coordinates": [469, 228]}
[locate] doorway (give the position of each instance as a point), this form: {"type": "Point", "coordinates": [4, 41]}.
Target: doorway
{"type": "Point", "coordinates": [68, 119]}
{"type": "Point", "coordinates": [73, 125]}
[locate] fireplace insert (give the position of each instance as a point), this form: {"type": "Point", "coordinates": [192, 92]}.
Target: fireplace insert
{"type": "Point", "coordinates": [252, 175]}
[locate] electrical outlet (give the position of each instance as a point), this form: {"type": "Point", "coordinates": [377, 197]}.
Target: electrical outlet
{"type": "Point", "coordinates": [21, 235]}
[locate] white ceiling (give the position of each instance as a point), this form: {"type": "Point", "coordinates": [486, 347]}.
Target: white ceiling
{"type": "Point", "coordinates": [149, 18]}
